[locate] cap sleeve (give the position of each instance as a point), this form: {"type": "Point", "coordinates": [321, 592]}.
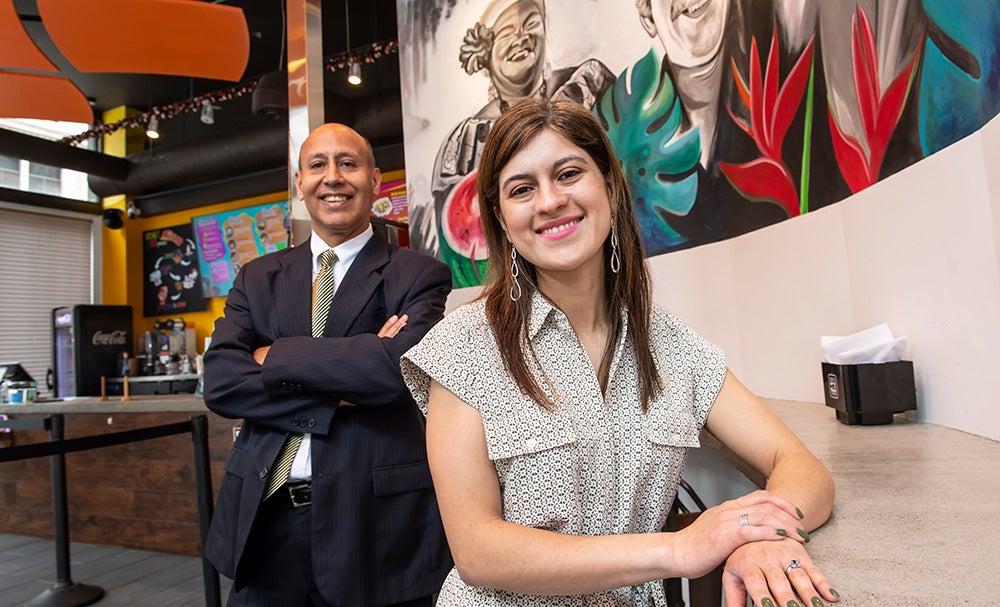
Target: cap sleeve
{"type": "Point", "coordinates": [696, 368]}
{"type": "Point", "coordinates": [459, 353]}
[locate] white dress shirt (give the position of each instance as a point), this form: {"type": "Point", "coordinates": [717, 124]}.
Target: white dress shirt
{"type": "Point", "coordinates": [346, 252]}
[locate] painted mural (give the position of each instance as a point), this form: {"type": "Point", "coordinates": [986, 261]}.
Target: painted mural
{"type": "Point", "coordinates": [728, 115]}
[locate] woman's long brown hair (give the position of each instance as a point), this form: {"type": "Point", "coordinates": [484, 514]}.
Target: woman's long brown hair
{"type": "Point", "coordinates": [628, 289]}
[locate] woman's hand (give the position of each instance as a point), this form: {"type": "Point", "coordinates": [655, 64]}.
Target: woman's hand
{"type": "Point", "coordinates": [763, 570]}
{"type": "Point", "coordinates": [759, 517]}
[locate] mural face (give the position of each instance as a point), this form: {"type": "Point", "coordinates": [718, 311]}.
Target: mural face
{"type": "Point", "coordinates": [518, 52]}
{"type": "Point", "coordinates": [691, 31]}
{"type": "Point", "coordinates": [506, 41]}
{"type": "Point", "coordinates": [727, 115]}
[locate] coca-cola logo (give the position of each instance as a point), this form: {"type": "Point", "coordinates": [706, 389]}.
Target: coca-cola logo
{"type": "Point", "coordinates": [114, 338]}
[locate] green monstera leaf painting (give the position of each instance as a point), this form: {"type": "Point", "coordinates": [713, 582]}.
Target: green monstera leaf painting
{"type": "Point", "coordinates": [642, 116]}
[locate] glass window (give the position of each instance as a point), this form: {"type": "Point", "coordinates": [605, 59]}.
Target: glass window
{"type": "Point", "coordinates": [10, 172]}
{"type": "Point", "coordinates": [44, 179]}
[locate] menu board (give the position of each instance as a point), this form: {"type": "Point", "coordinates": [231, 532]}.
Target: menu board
{"type": "Point", "coordinates": [391, 202]}
{"type": "Point", "coordinates": [228, 240]}
{"type": "Point", "coordinates": [170, 265]}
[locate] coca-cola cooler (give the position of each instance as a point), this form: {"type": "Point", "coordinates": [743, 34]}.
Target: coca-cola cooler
{"type": "Point", "coordinates": [87, 343]}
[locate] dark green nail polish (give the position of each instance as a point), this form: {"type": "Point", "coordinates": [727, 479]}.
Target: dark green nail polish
{"type": "Point", "coordinates": [834, 593]}
{"type": "Point", "coordinates": [817, 602]}
{"type": "Point", "coordinates": [766, 602]}
{"type": "Point", "coordinates": [781, 532]}
{"type": "Point", "coordinates": [792, 604]}
{"type": "Point", "coordinates": [799, 512]}
{"type": "Point", "coordinates": [804, 535]}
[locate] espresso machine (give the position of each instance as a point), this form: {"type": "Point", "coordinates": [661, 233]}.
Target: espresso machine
{"type": "Point", "coordinates": [155, 348]}
{"type": "Point", "coordinates": [165, 348]}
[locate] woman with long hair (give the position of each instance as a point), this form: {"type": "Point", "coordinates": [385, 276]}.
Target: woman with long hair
{"type": "Point", "coordinates": [561, 404]}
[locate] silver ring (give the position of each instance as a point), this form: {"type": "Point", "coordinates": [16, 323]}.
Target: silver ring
{"type": "Point", "coordinates": [793, 565]}
{"type": "Point", "coordinates": [744, 520]}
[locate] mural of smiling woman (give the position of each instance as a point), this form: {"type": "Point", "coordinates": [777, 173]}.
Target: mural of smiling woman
{"type": "Point", "coordinates": [508, 45]}
{"type": "Point", "coordinates": [728, 115]}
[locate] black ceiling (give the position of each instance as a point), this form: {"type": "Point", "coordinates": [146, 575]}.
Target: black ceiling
{"type": "Point", "coordinates": [370, 21]}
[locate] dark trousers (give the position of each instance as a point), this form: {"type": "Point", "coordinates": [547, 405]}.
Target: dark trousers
{"type": "Point", "coordinates": [280, 562]}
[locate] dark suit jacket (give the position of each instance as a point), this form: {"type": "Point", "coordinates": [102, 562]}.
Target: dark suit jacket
{"type": "Point", "coordinates": [377, 536]}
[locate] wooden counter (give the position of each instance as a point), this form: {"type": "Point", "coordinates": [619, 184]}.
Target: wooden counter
{"type": "Point", "coordinates": [138, 495]}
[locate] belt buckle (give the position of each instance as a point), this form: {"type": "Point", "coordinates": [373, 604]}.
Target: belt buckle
{"type": "Point", "coordinates": [300, 500]}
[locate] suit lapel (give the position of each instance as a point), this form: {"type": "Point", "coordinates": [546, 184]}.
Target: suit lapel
{"type": "Point", "coordinates": [357, 287]}
{"type": "Point", "coordinates": [292, 284]}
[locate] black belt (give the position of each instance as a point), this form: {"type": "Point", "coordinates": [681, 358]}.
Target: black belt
{"type": "Point", "coordinates": [299, 493]}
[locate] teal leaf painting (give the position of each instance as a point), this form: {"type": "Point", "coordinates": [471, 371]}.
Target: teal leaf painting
{"type": "Point", "coordinates": [642, 116]}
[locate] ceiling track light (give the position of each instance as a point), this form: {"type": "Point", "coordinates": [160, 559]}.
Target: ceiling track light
{"type": "Point", "coordinates": [152, 128]}
{"type": "Point", "coordinates": [207, 112]}
{"type": "Point", "coordinates": [354, 73]}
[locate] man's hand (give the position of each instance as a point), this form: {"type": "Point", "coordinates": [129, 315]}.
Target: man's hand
{"type": "Point", "coordinates": [393, 326]}
{"type": "Point", "coordinates": [390, 329]}
{"type": "Point", "coordinates": [260, 354]}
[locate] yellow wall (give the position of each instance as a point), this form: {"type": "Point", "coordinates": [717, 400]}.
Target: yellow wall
{"type": "Point", "coordinates": [123, 268]}
{"type": "Point", "coordinates": [114, 263]}
{"type": "Point", "coordinates": [121, 264]}
{"type": "Point", "coordinates": [203, 322]}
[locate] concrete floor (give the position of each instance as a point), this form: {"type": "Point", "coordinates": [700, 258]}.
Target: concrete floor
{"type": "Point", "coordinates": [128, 577]}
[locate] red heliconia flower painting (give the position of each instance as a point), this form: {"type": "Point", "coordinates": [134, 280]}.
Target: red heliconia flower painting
{"type": "Point", "coordinates": [772, 110]}
{"type": "Point", "coordinates": [880, 110]}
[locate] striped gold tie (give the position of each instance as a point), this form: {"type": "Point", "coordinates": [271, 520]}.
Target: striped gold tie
{"type": "Point", "coordinates": [322, 292]}
{"type": "Point", "coordinates": [322, 296]}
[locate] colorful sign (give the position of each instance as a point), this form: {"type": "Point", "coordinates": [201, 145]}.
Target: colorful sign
{"type": "Point", "coordinates": [227, 241]}
{"type": "Point", "coordinates": [391, 202]}
{"type": "Point", "coordinates": [170, 265]}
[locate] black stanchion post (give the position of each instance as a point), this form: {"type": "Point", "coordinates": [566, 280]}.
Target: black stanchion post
{"type": "Point", "coordinates": [65, 593]}
{"type": "Point", "coordinates": [203, 480]}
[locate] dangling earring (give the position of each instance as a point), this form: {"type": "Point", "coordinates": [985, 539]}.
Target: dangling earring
{"type": "Point", "coordinates": [515, 290]}
{"type": "Point", "coordinates": [616, 263]}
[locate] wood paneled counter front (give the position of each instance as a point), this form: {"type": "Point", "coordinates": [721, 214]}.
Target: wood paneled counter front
{"type": "Point", "coordinates": [137, 495]}
{"type": "Point", "coordinates": [914, 522]}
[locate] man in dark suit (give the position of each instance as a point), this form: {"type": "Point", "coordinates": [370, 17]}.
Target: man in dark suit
{"type": "Point", "coordinates": [354, 522]}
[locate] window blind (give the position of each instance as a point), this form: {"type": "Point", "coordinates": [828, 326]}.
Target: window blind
{"type": "Point", "coordinates": [46, 261]}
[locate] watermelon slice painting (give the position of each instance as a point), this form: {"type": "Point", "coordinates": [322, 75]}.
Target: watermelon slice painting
{"type": "Point", "coordinates": [463, 244]}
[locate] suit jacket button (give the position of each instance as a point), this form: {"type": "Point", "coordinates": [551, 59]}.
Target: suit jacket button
{"type": "Point", "coordinates": [263, 474]}
{"type": "Point", "coordinates": [296, 422]}
{"type": "Point", "coordinates": [312, 423]}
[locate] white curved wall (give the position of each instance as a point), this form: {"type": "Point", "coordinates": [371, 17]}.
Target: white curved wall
{"type": "Point", "coordinates": [918, 251]}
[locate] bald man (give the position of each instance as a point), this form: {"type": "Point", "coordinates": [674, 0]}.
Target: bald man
{"type": "Point", "coordinates": [353, 520]}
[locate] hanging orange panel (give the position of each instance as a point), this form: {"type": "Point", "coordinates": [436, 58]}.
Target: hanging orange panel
{"type": "Point", "coordinates": [173, 37]}
{"type": "Point", "coordinates": [42, 98]}
{"type": "Point", "coordinates": [18, 49]}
